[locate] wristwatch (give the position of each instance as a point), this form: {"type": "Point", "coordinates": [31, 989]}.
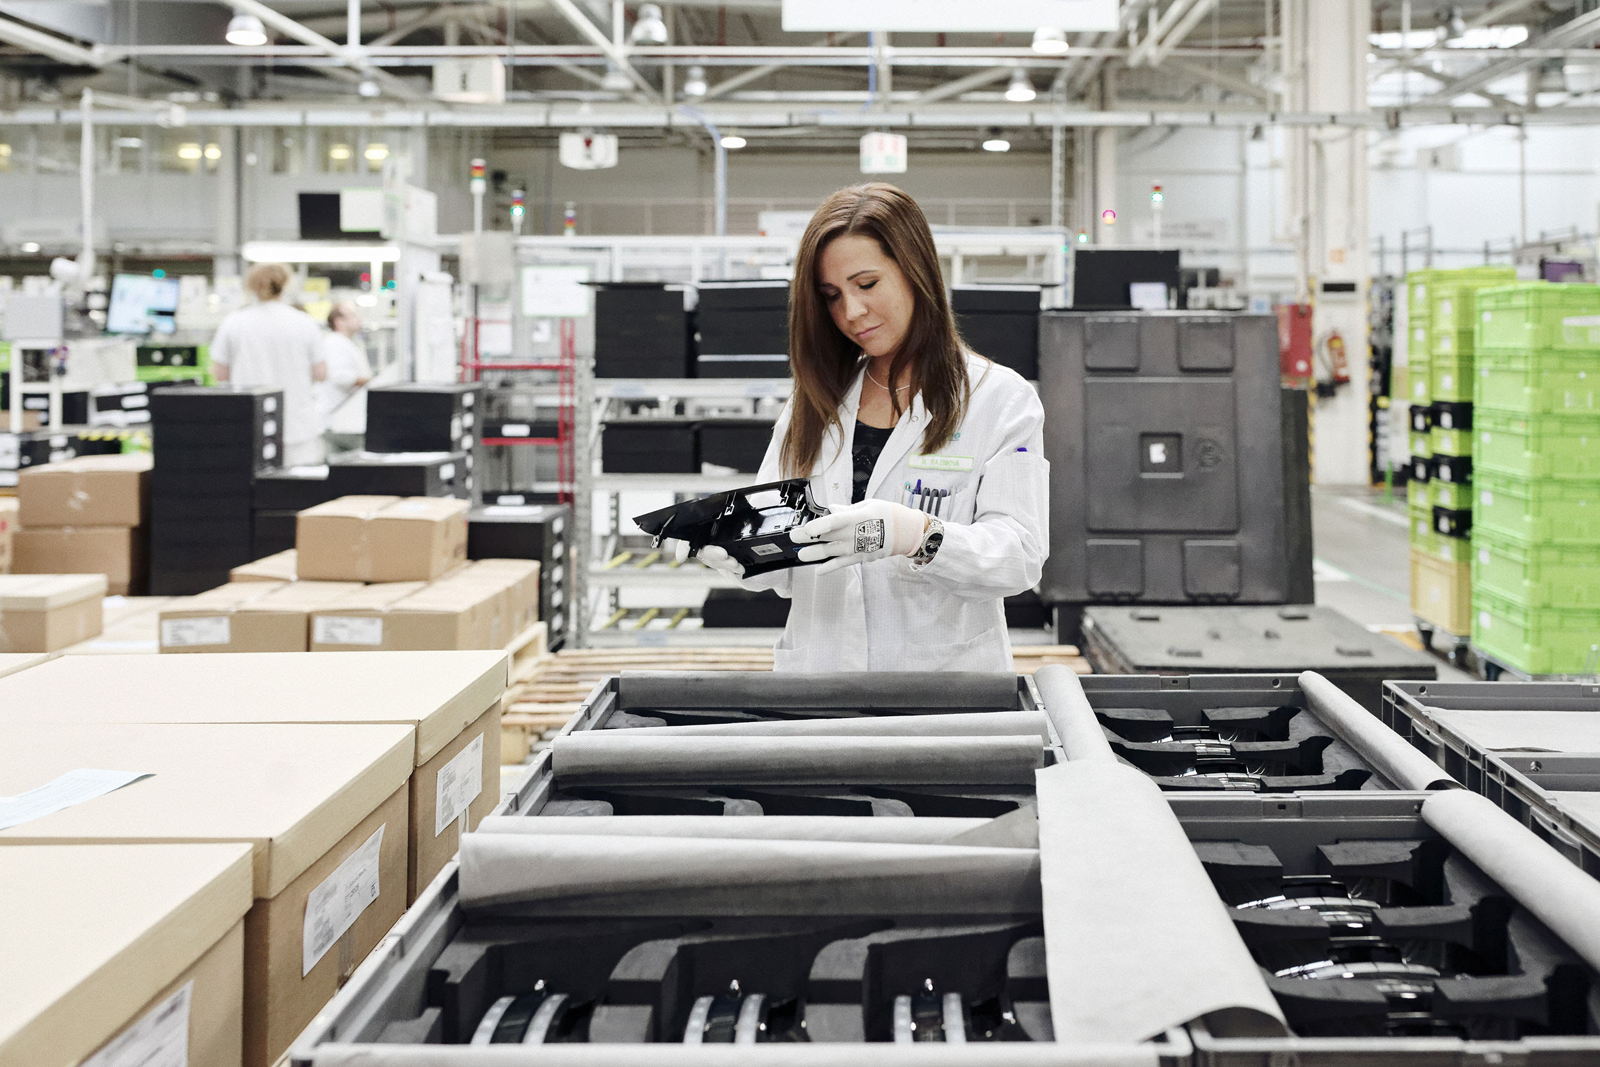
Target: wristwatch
{"type": "Point", "coordinates": [932, 538]}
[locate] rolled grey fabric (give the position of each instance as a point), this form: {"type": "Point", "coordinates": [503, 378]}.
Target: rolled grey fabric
{"type": "Point", "coordinates": [955, 724]}
{"type": "Point", "coordinates": [638, 758]}
{"type": "Point", "coordinates": [1070, 715]}
{"type": "Point", "coordinates": [1387, 751]}
{"type": "Point", "coordinates": [928, 831]}
{"type": "Point", "coordinates": [889, 692]}
{"type": "Point", "coordinates": [924, 1054]}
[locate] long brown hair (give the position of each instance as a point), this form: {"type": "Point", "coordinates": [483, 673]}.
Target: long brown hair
{"type": "Point", "coordinates": [825, 362]}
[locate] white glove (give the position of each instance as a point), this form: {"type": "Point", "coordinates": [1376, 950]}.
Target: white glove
{"type": "Point", "coordinates": [714, 556]}
{"type": "Point", "coordinates": [872, 529]}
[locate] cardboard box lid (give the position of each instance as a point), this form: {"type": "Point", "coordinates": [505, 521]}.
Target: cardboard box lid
{"type": "Point", "coordinates": [41, 592]}
{"type": "Point", "coordinates": [438, 693]}
{"type": "Point", "coordinates": [423, 508]}
{"type": "Point", "coordinates": [117, 609]}
{"type": "Point", "coordinates": [129, 463]}
{"type": "Point", "coordinates": [93, 932]}
{"type": "Point", "coordinates": [12, 662]}
{"type": "Point", "coordinates": [450, 595]}
{"type": "Point", "coordinates": [300, 596]}
{"type": "Point", "coordinates": [289, 791]}
{"type": "Point", "coordinates": [350, 507]}
{"type": "Point", "coordinates": [222, 599]}
{"type": "Point", "coordinates": [373, 597]}
{"type": "Point", "coordinates": [280, 566]}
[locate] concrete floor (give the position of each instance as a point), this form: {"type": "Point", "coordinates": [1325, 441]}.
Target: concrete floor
{"type": "Point", "coordinates": [1363, 560]}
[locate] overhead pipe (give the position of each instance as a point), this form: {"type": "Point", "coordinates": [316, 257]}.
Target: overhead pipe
{"type": "Point", "coordinates": [49, 45]}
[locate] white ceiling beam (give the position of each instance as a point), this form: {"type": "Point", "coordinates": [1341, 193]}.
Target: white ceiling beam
{"type": "Point", "coordinates": [1575, 31]}
{"type": "Point", "coordinates": [966, 83]}
{"type": "Point", "coordinates": [581, 23]}
{"type": "Point", "coordinates": [1180, 32]}
{"type": "Point", "coordinates": [351, 56]}
{"type": "Point", "coordinates": [743, 78]}
{"type": "Point", "coordinates": [45, 44]}
{"type": "Point", "coordinates": [1222, 78]}
{"type": "Point", "coordinates": [1163, 23]}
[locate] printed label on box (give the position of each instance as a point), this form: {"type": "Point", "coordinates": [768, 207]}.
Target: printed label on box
{"type": "Point", "coordinates": [447, 472]}
{"type": "Point", "coordinates": [136, 400]}
{"type": "Point", "coordinates": [269, 451]}
{"type": "Point", "coordinates": [455, 426]}
{"type": "Point", "coordinates": [269, 428]}
{"type": "Point", "coordinates": [517, 429]}
{"type": "Point", "coordinates": [467, 399]}
{"type": "Point", "coordinates": [468, 421]}
{"type": "Point", "coordinates": [335, 905]}
{"type": "Point", "coordinates": [269, 405]}
{"type": "Point", "coordinates": [460, 782]}
{"type": "Point", "coordinates": [160, 1038]}
{"type": "Point", "coordinates": [347, 630]}
{"type": "Point", "coordinates": [202, 630]}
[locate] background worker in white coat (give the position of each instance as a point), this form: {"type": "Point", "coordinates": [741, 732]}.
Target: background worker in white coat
{"type": "Point", "coordinates": [270, 343]}
{"type": "Point", "coordinates": [929, 457]}
{"type": "Point", "coordinates": [342, 394]}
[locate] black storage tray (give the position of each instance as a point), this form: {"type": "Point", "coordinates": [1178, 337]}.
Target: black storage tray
{"type": "Point", "coordinates": [1452, 522]}
{"type": "Point", "coordinates": [1421, 418]}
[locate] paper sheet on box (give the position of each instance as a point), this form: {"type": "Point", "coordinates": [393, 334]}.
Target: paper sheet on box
{"type": "Point", "coordinates": [1073, 720]}
{"type": "Point", "coordinates": [956, 724]}
{"type": "Point", "coordinates": [73, 787]}
{"type": "Point", "coordinates": [636, 757]}
{"type": "Point", "coordinates": [1524, 731]}
{"type": "Point", "coordinates": [1137, 940]}
{"type": "Point", "coordinates": [1380, 746]}
{"type": "Point", "coordinates": [548, 874]}
{"type": "Point", "coordinates": [158, 1038]}
{"type": "Point", "coordinates": [928, 831]}
{"type": "Point", "coordinates": [1020, 1054]}
{"type": "Point", "coordinates": [1549, 885]}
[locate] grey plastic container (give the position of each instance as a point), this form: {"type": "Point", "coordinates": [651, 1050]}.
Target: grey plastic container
{"type": "Point", "coordinates": [1295, 827]}
{"type": "Point", "coordinates": [1249, 640]}
{"type": "Point", "coordinates": [1179, 469]}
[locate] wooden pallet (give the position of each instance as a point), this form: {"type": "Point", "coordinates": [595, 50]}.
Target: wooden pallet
{"type": "Point", "coordinates": [549, 689]}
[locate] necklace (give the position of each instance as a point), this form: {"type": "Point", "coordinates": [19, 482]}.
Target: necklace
{"type": "Point", "coordinates": [885, 388]}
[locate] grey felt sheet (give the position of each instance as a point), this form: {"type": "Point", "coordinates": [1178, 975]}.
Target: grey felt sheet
{"type": "Point", "coordinates": [1071, 716]}
{"type": "Point", "coordinates": [1523, 731]}
{"type": "Point", "coordinates": [639, 757]}
{"type": "Point", "coordinates": [875, 690]}
{"type": "Point", "coordinates": [928, 831]}
{"type": "Point", "coordinates": [1137, 940]}
{"type": "Point", "coordinates": [955, 724]}
{"type": "Point", "coordinates": [1042, 1054]}
{"type": "Point", "coordinates": [1550, 886]}
{"type": "Point", "coordinates": [1380, 746]}
{"type": "Point", "coordinates": [555, 874]}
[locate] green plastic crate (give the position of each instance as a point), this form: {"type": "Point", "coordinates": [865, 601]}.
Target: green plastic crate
{"type": "Point", "coordinates": [1424, 288]}
{"type": "Point", "coordinates": [1559, 447]}
{"type": "Point", "coordinates": [1570, 385]}
{"type": "Point", "coordinates": [1450, 549]}
{"type": "Point", "coordinates": [1537, 510]}
{"type": "Point", "coordinates": [1450, 495]}
{"type": "Point", "coordinates": [1448, 442]}
{"type": "Point", "coordinates": [1421, 384]}
{"type": "Point", "coordinates": [1537, 316]}
{"type": "Point", "coordinates": [1419, 512]}
{"type": "Point", "coordinates": [1449, 344]}
{"type": "Point", "coordinates": [1421, 444]}
{"type": "Point", "coordinates": [1536, 575]}
{"type": "Point", "coordinates": [1451, 378]}
{"type": "Point", "coordinates": [1421, 344]}
{"type": "Point", "coordinates": [1535, 640]}
{"type": "Point", "coordinates": [1451, 301]}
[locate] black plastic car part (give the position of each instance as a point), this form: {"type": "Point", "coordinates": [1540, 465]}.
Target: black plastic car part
{"type": "Point", "coordinates": [752, 523]}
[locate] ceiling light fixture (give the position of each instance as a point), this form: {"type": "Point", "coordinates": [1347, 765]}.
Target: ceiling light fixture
{"type": "Point", "coordinates": [650, 27]}
{"type": "Point", "coordinates": [996, 143]}
{"type": "Point", "coordinates": [732, 140]}
{"type": "Point", "coordinates": [368, 87]}
{"type": "Point", "coordinates": [1020, 91]}
{"type": "Point", "coordinates": [246, 31]}
{"type": "Point", "coordinates": [1452, 21]}
{"type": "Point", "coordinates": [694, 83]}
{"type": "Point", "coordinates": [1050, 41]}
{"type": "Point", "coordinates": [616, 80]}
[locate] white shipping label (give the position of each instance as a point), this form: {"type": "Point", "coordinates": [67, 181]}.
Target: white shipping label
{"type": "Point", "coordinates": [269, 451]}
{"type": "Point", "coordinates": [63, 791]}
{"type": "Point", "coordinates": [335, 905]}
{"type": "Point", "coordinates": [136, 400]}
{"type": "Point", "coordinates": [347, 630]}
{"type": "Point", "coordinates": [269, 428]}
{"type": "Point", "coordinates": [1486, 498]}
{"type": "Point", "coordinates": [468, 421]}
{"type": "Point", "coordinates": [269, 405]}
{"type": "Point", "coordinates": [516, 429]}
{"type": "Point", "coordinates": [1447, 421]}
{"type": "Point", "coordinates": [202, 630]}
{"type": "Point", "coordinates": [455, 426]}
{"type": "Point", "coordinates": [460, 782]}
{"type": "Point", "coordinates": [160, 1038]}
{"type": "Point", "coordinates": [1483, 555]}
{"type": "Point", "coordinates": [447, 472]}
{"type": "Point", "coordinates": [467, 399]}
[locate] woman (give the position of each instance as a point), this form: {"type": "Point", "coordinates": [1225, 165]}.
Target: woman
{"type": "Point", "coordinates": [270, 343]}
{"type": "Point", "coordinates": [341, 396]}
{"type": "Point", "coordinates": [928, 456]}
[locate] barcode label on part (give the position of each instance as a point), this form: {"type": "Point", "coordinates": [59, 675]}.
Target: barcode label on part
{"type": "Point", "coordinates": [201, 630]}
{"type": "Point", "coordinates": [460, 782]}
{"type": "Point", "coordinates": [347, 630]}
{"type": "Point", "coordinates": [335, 905]}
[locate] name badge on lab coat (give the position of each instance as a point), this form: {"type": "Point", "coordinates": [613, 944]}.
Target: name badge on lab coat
{"type": "Point", "coordinates": [941, 463]}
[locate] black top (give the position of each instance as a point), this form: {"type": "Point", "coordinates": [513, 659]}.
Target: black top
{"type": "Point", "coordinates": [868, 445]}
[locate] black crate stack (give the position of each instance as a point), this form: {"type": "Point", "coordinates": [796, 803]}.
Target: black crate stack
{"type": "Point", "coordinates": [651, 446]}
{"type": "Point", "coordinates": [278, 496]}
{"type": "Point", "coordinates": [642, 331]}
{"type": "Point", "coordinates": [210, 442]}
{"type": "Point", "coordinates": [537, 531]}
{"type": "Point", "coordinates": [734, 442]}
{"type": "Point", "coordinates": [422, 417]}
{"type": "Point", "coordinates": [1001, 323]}
{"type": "Point", "coordinates": [744, 330]}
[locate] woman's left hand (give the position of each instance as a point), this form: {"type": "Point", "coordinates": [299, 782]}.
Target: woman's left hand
{"type": "Point", "coordinates": [859, 533]}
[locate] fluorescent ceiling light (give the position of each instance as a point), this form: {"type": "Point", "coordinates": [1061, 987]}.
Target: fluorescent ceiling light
{"type": "Point", "coordinates": [339, 151]}
{"type": "Point", "coordinates": [246, 31]}
{"type": "Point", "coordinates": [189, 151]}
{"type": "Point", "coordinates": [1020, 91]}
{"type": "Point", "coordinates": [213, 152]}
{"type": "Point", "coordinates": [376, 153]}
{"type": "Point", "coordinates": [650, 28]}
{"type": "Point", "coordinates": [368, 87]}
{"type": "Point", "coordinates": [996, 143]}
{"type": "Point", "coordinates": [318, 252]}
{"type": "Point", "coordinates": [732, 140]}
{"type": "Point", "coordinates": [1050, 41]}
{"type": "Point", "coordinates": [694, 84]}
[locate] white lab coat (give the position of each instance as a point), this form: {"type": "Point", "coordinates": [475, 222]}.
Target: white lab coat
{"type": "Point", "coordinates": [341, 406]}
{"type": "Point", "coordinates": [271, 343]}
{"type": "Point", "coordinates": [889, 614]}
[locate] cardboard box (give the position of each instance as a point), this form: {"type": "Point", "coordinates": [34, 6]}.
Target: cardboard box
{"type": "Point", "coordinates": [278, 567]}
{"type": "Point", "coordinates": [324, 808]}
{"type": "Point", "coordinates": [520, 580]}
{"type": "Point", "coordinates": [118, 552]}
{"type": "Point", "coordinates": [106, 943]}
{"type": "Point", "coordinates": [450, 700]}
{"type": "Point", "coordinates": [381, 539]}
{"type": "Point", "coordinates": [278, 619]}
{"type": "Point", "coordinates": [356, 622]}
{"type": "Point", "coordinates": [8, 529]}
{"type": "Point", "coordinates": [12, 662]}
{"type": "Point", "coordinates": [88, 491]}
{"type": "Point", "coordinates": [48, 612]}
{"type": "Point", "coordinates": [455, 613]}
{"type": "Point", "coordinates": [132, 628]}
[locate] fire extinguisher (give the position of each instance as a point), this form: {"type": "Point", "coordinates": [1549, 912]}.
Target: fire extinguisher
{"type": "Point", "coordinates": [1337, 362]}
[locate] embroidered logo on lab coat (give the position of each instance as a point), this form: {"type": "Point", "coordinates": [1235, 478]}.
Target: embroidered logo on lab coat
{"type": "Point", "coordinates": [941, 463]}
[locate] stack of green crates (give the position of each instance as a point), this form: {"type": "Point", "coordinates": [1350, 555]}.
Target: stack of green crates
{"type": "Point", "coordinates": [1442, 312]}
{"type": "Point", "coordinates": [1536, 436]}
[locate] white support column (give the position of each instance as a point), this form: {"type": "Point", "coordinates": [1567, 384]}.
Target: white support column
{"type": "Point", "coordinates": [1105, 186]}
{"type": "Point", "coordinates": [1325, 68]}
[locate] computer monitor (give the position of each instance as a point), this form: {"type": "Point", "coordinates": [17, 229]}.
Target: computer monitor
{"type": "Point", "coordinates": [141, 304]}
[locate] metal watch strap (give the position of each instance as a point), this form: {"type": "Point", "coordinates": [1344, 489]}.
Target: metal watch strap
{"type": "Point", "coordinates": [932, 538]}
